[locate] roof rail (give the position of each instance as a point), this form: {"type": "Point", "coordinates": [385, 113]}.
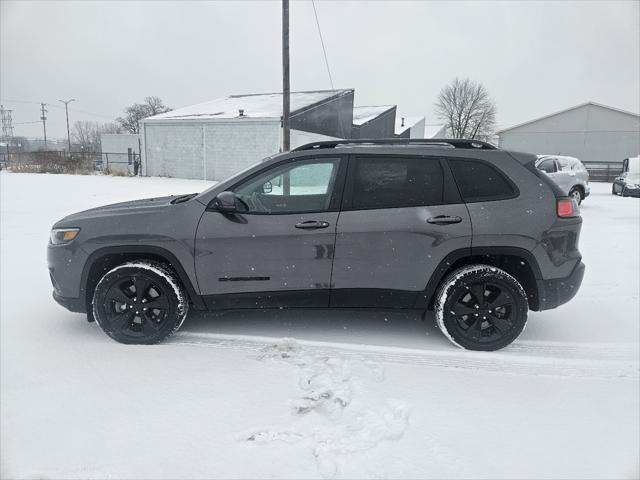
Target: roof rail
{"type": "Point", "coordinates": [446, 142]}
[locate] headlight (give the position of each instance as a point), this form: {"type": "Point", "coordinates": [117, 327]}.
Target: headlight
{"type": "Point", "coordinates": [61, 236]}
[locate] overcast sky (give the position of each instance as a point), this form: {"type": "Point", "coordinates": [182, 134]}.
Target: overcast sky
{"type": "Point", "coordinates": [534, 57]}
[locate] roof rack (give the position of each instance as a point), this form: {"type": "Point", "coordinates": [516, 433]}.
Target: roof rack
{"type": "Point", "coordinates": [445, 142]}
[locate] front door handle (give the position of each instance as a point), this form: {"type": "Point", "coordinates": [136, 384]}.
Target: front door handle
{"type": "Point", "coordinates": [444, 220]}
{"type": "Point", "coordinates": [312, 225]}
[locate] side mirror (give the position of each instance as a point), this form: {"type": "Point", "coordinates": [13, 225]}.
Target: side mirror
{"type": "Point", "coordinates": [225, 202]}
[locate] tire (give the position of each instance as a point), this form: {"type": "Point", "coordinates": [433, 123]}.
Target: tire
{"type": "Point", "coordinates": [500, 315]}
{"type": "Point", "coordinates": [613, 189]}
{"type": "Point", "coordinates": [576, 193]}
{"type": "Point", "coordinates": [128, 318]}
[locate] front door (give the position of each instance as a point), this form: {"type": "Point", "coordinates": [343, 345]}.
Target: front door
{"type": "Point", "coordinates": [280, 251]}
{"type": "Point", "coordinates": [401, 217]}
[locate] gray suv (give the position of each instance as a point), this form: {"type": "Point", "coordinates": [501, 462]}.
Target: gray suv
{"type": "Point", "coordinates": [475, 233]}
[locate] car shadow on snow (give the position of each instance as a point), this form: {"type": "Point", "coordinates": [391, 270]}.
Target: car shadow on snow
{"type": "Point", "coordinates": [395, 328]}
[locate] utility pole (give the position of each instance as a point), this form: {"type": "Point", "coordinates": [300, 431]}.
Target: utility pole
{"type": "Point", "coordinates": [66, 110]}
{"type": "Point", "coordinates": [7, 122]}
{"type": "Point", "coordinates": [44, 122]}
{"type": "Point", "coordinates": [286, 90]}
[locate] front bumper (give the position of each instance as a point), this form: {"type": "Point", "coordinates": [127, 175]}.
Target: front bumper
{"type": "Point", "coordinates": [558, 291]}
{"type": "Point", "coordinates": [630, 192]}
{"type": "Point", "coordinates": [72, 304]}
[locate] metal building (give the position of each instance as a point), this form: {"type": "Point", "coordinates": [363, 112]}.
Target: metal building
{"type": "Point", "coordinates": [376, 121]}
{"type": "Point", "coordinates": [216, 139]}
{"type": "Point", "coordinates": [592, 132]}
{"type": "Point", "coordinates": [410, 127]}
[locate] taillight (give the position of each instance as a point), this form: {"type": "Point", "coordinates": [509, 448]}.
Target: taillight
{"type": "Point", "coordinates": [567, 208]}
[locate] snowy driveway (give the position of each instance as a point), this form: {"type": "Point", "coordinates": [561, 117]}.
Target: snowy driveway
{"type": "Point", "coordinates": [356, 394]}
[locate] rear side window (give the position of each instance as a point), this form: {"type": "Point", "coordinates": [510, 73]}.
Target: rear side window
{"type": "Point", "coordinates": [480, 181]}
{"type": "Point", "coordinates": [390, 182]}
{"type": "Point", "coordinates": [548, 165]}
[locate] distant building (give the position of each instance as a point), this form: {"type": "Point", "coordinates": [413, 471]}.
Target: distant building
{"type": "Point", "coordinates": [215, 139]}
{"type": "Point", "coordinates": [377, 121]}
{"type": "Point", "coordinates": [435, 131]}
{"type": "Point", "coordinates": [119, 151]}
{"type": "Point", "coordinates": [409, 127]}
{"type": "Point", "coordinates": [590, 132]}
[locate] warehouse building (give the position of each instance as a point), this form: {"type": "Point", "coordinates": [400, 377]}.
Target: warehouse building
{"type": "Point", "coordinates": [216, 139]}
{"type": "Point", "coordinates": [410, 127]}
{"type": "Point", "coordinates": [376, 121]}
{"type": "Point", "coordinates": [592, 132]}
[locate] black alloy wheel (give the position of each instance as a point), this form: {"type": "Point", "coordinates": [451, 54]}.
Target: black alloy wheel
{"type": "Point", "coordinates": [139, 303]}
{"type": "Point", "coordinates": [481, 308]}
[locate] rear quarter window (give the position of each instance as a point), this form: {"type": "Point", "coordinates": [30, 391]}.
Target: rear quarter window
{"type": "Point", "coordinates": [479, 181]}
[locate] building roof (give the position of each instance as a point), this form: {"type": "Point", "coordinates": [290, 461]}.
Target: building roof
{"type": "Point", "coordinates": [405, 123]}
{"type": "Point", "coordinates": [364, 114]}
{"type": "Point", "coordinates": [568, 110]}
{"type": "Point", "coordinates": [258, 105]}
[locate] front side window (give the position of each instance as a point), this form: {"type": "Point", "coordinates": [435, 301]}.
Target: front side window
{"type": "Point", "coordinates": [302, 186]}
{"type": "Point", "coordinates": [480, 181]}
{"type": "Point", "coordinates": [390, 182]}
{"type": "Point", "coordinates": [548, 166]}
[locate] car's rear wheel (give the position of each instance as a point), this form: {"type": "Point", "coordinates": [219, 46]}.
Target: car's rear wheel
{"type": "Point", "coordinates": [480, 307]}
{"type": "Point", "coordinates": [140, 302]}
{"type": "Point", "coordinates": [576, 194]}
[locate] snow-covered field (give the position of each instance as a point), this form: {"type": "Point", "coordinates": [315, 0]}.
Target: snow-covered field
{"type": "Point", "coordinates": [302, 394]}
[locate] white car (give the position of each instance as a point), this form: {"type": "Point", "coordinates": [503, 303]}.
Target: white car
{"type": "Point", "coordinates": [568, 172]}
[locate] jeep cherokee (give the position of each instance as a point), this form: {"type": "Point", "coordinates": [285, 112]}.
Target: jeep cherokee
{"type": "Point", "coordinates": [476, 233]}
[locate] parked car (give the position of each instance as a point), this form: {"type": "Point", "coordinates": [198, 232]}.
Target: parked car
{"type": "Point", "coordinates": [568, 172]}
{"type": "Point", "coordinates": [476, 233]}
{"type": "Point", "coordinates": [628, 183]}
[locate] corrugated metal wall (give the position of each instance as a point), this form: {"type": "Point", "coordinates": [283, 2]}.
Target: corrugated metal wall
{"type": "Point", "coordinates": [591, 133]}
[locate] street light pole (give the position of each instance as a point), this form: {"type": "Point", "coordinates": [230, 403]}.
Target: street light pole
{"type": "Point", "coordinates": [66, 109]}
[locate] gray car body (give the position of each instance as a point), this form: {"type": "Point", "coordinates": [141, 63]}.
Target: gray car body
{"type": "Point", "coordinates": [365, 258]}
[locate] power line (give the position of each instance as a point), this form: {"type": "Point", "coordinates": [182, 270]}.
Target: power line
{"type": "Point", "coordinates": [60, 107]}
{"type": "Point", "coordinates": [324, 50]}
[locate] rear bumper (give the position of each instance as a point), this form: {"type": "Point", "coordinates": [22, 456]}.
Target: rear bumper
{"type": "Point", "coordinates": [71, 304]}
{"type": "Point", "coordinates": [558, 291]}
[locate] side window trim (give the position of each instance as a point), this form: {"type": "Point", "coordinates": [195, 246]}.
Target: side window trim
{"type": "Point", "coordinates": [338, 184]}
{"type": "Point", "coordinates": [451, 195]}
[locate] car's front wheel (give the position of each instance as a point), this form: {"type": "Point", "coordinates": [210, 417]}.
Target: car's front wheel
{"type": "Point", "coordinates": [140, 302]}
{"type": "Point", "coordinates": [480, 307]}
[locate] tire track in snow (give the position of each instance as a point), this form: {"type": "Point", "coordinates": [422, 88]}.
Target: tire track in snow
{"type": "Point", "coordinates": [523, 358]}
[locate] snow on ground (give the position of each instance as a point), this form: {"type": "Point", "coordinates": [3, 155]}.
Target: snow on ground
{"type": "Point", "coordinates": [302, 394]}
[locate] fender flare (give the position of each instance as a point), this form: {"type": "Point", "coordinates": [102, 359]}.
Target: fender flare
{"type": "Point", "coordinates": [170, 258]}
{"type": "Point", "coordinates": [425, 300]}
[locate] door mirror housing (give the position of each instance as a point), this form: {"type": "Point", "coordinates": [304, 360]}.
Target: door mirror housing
{"type": "Point", "coordinates": [225, 202]}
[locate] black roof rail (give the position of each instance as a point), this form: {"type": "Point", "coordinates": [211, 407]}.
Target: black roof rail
{"type": "Point", "coordinates": [446, 142]}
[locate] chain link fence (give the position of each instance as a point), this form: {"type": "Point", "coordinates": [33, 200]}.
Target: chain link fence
{"type": "Point", "coordinates": [72, 162]}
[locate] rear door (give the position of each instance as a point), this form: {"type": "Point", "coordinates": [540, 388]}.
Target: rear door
{"type": "Point", "coordinates": [279, 252]}
{"type": "Point", "coordinates": [401, 216]}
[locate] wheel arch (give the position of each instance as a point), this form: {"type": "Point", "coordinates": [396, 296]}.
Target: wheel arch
{"type": "Point", "coordinates": [517, 262]}
{"type": "Point", "coordinates": [104, 259]}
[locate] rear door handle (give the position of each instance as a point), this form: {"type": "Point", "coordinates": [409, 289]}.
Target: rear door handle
{"type": "Point", "coordinates": [444, 220]}
{"type": "Point", "coordinates": [312, 225]}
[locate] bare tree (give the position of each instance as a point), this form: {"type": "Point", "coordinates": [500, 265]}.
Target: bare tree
{"type": "Point", "coordinates": [86, 135]}
{"type": "Point", "coordinates": [130, 122]}
{"type": "Point", "coordinates": [468, 109]}
{"type": "Point", "coordinates": [111, 127]}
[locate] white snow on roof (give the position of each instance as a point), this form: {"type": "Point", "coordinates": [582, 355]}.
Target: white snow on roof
{"type": "Point", "coordinates": [261, 105]}
{"type": "Point", "coordinates": [364, 114]}
{"type": "Point", "coordinates": [408, 123]}
{"type": "Point", "coordinates": [433, 131]}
